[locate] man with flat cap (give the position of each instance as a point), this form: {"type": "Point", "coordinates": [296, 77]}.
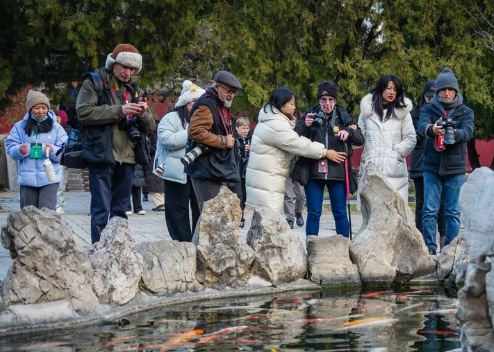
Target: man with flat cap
{"type": "Point", "coordinates": [213, 127]}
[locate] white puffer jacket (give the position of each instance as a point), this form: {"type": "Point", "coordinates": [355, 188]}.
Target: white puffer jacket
{"type": "Point", "coordinates": [387, 143]}
{"type": "Point", "coordinates": [273, 147]}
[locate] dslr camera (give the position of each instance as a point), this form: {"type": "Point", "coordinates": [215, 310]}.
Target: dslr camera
{"type": "Point", "coordinates": [319, 119]}
{"type": "Point", "coordinates": [188, 158]}
{"type": "Point", "coordinates": [449, 134]}
{"type": "Point", "coordinates": [130, 125]}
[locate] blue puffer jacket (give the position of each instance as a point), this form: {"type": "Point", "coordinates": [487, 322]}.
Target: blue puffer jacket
{"type": "Point", "coordinates": [31, 171]}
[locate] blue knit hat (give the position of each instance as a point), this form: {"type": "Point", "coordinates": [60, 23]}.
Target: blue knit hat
{"type": "Point", "coordinates": [446, 79]}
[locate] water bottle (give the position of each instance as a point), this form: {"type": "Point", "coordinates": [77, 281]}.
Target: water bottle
{"type": "Point", "coordinates": [48, 166]}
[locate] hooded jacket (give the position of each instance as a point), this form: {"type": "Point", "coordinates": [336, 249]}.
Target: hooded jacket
{"type": "Point", "coordinates": [90, 113]}
{"type": "Point", "coordinates": [31, 171]}
{"type": "Point", "coordinates": [273, 147]}
{"type": "Point", "coordinates": [387, 143]}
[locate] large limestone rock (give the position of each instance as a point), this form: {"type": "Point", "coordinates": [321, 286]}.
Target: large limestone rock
{"type": "Point", "coordinates": [329, 261]}
{"type": "Point", "coordinates": [169, 266]}
{"type": "Point", "coordinates": [279, 255]}
{"type": "Point", "coordinates": [477, 213]}
{"type": "Point", "coordinates": [117, 265]}
{"type": "Point", "coordinates": [48, 264]}
{"type": "Point", "coordinates": [222, 259]}
{"type": "Point", "coordinates": [388, 247]}
{"type": "Point", "coordinates": [454, 253]}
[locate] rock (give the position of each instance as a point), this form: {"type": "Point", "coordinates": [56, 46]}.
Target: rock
{"type": "Point", "coordinates": [454, 253]}
{"type": "Point", "coordinates": [48, 264]}
{"type": "Point", "coordinates": [388, 247]}
{"type": "Point", "coordinates": [169, 266]}
{"type": "Point", "coordinates": [279, 255]}
{"type": "Point", "coordinates": [336, 268]}
{"type": "Point", "coordinates": [117, 265]}
{"type": "Point", "coordinates": [477, 212]}
{"type": "Point", "coordinates": [222, 259]}
{"type": "Point", "coordinates": [477, 333]}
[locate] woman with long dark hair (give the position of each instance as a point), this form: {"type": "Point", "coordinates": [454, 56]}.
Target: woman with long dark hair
{"type": "Point", "coordinates": [387, 126]}
{"type": "Point", "coordinates": [172, 139]}
{"type": "Point", "coordinates": [33, 140]}
{"type": "Point", "coordinates": [273, 147]}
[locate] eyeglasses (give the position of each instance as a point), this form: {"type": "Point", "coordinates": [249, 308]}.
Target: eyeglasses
{"type": "Point", "coordinates": [228, 91]}
{"type": "Point", "coordinates": [327, 100]}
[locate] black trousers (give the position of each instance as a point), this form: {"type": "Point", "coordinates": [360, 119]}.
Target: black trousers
{"type": "Point", "coordinates": [178, 197]}
{"type": "Point", "coordinates": [136, 199]}
{"type": "Point", "coordinates": [419, 203]}
{"type": "Point", "coordinates": [40, 197]}
{"type": "Point", "coordinates": [110, 188]}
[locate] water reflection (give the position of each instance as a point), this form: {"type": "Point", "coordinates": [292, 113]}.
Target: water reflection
{"type": "Point", "coordinates": [409, 320]}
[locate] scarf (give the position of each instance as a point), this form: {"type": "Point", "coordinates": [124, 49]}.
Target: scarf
{"type": "Point", "coordinates": [38, 120]}
{"type": "Point", "coordinates": [442, 105]}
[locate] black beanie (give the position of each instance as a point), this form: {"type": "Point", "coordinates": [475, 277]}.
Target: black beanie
{"type": "Point", "coordinates": [327, 88]}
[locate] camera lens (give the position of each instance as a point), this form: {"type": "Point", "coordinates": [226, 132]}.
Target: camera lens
{"type": "Point", "coordinates": [134, 134]}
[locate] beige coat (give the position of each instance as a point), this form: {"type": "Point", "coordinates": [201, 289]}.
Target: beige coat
{"type": "Point", "coordinates": [273, 147]}
{"type": "Point", "coordinates": [387, 143]}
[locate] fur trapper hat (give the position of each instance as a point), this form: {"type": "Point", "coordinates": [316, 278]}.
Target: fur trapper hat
{"type": "Point", "coordinates": [190, 92]}
{"type": "Point", "coordinates": [34, 98]}
{"type": "Point", "coordinates": [126, 55]}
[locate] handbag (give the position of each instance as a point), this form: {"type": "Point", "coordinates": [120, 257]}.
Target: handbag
{"type": "Point", "coordinates": [72, 152]}
{"type": "Point", "coordinates": [97, 145]}
{"type": "Point", "coordinates": [142, 151]}
{"type": "Point", "coordinates": [300, 171]}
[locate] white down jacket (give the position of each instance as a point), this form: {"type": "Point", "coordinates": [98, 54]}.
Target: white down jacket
{"type": "Point", "coordinates": [387, 143]}
{"type": "Point", "coordinates": [273, 147]}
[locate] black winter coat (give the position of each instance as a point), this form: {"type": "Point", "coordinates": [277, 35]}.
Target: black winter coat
{"type": "Point", "coordinates": [325, 134]}
{"type": "Point", "coordinates": [452, 160]}
{"type": "Point", "coordinates": [154, 184]}
{"type": "Point", "coordinates": [416, 170]}
{"type": "Point", "coordinates": [243, 157]}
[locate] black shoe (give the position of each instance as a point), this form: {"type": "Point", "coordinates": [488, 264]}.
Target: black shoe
{"type": "Point", "coordinates": [432, 252]}
{"type": "Point", "coordinates": [160, 207]}
{"type": "Point", "coordinates": [242, 223]}
{"type": "Point", "coordinates": [290, 223]}
{"type": "Point", "coordinates": [145, 198]}
{"type": "Point", "coordinates": [300, 220]}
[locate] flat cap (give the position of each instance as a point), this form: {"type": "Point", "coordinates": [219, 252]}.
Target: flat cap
{"type": "Point", "coordinates": [227, 78]}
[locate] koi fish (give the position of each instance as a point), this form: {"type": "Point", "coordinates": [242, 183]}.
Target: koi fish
{"type": "Point", "coordinates": [411, 307]}
{"type": "Point", "coordinates": [44, 345]}
{"type": "Point", "coordinates": [179, 339]}
{"type": "Point", "coordinates": [438, 332]}
{"type": "Point", "coordinates": [215, 335]}
{"type": "Point", "coordinates": [437, 312]}
{"type": "Point", "coordinates": [117, 340]}
{"type": "Point", "coordinates": [375, 294]}
{"type": "Point", "coordinates": [400, 298]}
{"type": "Point", "coordinates": [320, 320]}
{"type": "Point", "coordinates": [361, 323]}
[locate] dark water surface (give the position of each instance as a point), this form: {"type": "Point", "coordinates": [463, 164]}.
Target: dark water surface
{"type": "Point", "coordinates": [414, 319]}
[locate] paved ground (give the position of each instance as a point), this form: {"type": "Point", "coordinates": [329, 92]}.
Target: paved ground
{"type": "Point", "coordinates": [149, 227]}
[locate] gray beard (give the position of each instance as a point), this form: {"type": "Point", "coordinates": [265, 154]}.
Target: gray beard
{"type": "Point", "coordinates": [228, 103]}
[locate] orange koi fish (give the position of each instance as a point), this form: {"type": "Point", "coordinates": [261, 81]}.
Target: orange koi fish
{"type": "Point", "coordinates": [375, 294]}
{"type": "Point", "coordinates": [361, 323]}
{"type": "Point", "coordinates": [215, 335]}
{"type": "Point", "coordinates": [438, 332]}
{"type": "Point", "coordinates": [179, 339]}
{"type": "Point", "coordinates": [117, 340]}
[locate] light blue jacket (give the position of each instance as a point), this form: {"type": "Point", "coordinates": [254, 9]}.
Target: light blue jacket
{"type": "Point", "coordinates": [31, 171]}
{"type": "Point", "coordinates": [170, 147]}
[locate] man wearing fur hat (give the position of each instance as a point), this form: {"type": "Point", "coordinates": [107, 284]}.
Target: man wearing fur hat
{"type": "Point", "coordinates": [448, 126]}
{"type": "Point", "coordinates": [111, 185]}
{"type": "Point", "coordinates": [212, 126]}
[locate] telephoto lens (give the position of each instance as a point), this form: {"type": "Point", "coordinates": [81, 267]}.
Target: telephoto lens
{"type": "Point", "coordinates": [192, 155]}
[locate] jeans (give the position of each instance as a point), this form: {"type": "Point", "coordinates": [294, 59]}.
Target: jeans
{"type": "Point", "coordinates": [337, 194]}
{"type": "Point", "coordinates": [419, 204]}
{"type": "Point", "coordinates": [434, 184]}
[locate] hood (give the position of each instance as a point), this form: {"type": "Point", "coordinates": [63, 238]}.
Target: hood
{"type": "Point", "coordinates": [51, 114]}
{"type": "Point", "coordinates": [266, 114]}
{"type": "Point", "coordinates": [366, 107]}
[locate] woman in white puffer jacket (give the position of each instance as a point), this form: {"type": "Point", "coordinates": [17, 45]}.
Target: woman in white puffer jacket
{"type": "Point", "coordinates": [274, 145]}
{"type": "Point", "coordinates": [387, 125]}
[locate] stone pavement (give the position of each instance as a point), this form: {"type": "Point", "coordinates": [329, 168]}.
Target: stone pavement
{"type": "Point", "coordinates": [144, 228]}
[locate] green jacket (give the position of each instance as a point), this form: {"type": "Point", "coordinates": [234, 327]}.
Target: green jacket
{"type": "Point", "coordinates": [90, 113]}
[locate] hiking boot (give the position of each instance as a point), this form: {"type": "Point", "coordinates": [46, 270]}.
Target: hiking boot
{"type": "Point", "coordinates": [242, 223]}
{"type": "Point", "coordinates": [290, 223]}
{"type": "Point", "coordinates": [145, 198]}
{"type": "Point", "coordinates": [300, 220]}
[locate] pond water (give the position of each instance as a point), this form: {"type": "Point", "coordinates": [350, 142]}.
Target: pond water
{"type": "Point", "coordinates": [414, 319]}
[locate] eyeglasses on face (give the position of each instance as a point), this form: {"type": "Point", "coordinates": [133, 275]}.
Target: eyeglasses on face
{"type": "Point", "coordinates": [228, 91]}
{"type": "Point", "coordinates": [327, 100]}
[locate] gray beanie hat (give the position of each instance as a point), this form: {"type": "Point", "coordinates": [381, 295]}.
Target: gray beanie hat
{"type": "Point", "coordinates": [446, 79]}
{"type": "Point", "coordinates": [34, 98]}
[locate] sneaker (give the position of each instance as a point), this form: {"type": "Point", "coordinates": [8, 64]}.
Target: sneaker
{"type": "Point", "coordinates": [160, 207]}
{"type": "Point", "coordinates": [290, 223]}
{"type": "Point", "coordinates": [242, 223]}
{"type": "Point", "coordinates": [300, 220]}
{"type": "Point", "coordinates": [141, 212]}
{"type": "Point", "coordinates": [128, 212]}
{"type": "Point", "coordinates": [432, 252]}
{"type": "Point", "coordinates": [60, 210]}
{"type": "Point", "coordinates": [145, 198]}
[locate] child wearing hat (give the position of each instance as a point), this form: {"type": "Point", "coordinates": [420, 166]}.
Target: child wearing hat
{"type": "Point", "coordinates": [31, 141]}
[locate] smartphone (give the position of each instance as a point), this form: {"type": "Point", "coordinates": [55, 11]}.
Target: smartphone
{"type": "Point", "coordinates": [143, 96]}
